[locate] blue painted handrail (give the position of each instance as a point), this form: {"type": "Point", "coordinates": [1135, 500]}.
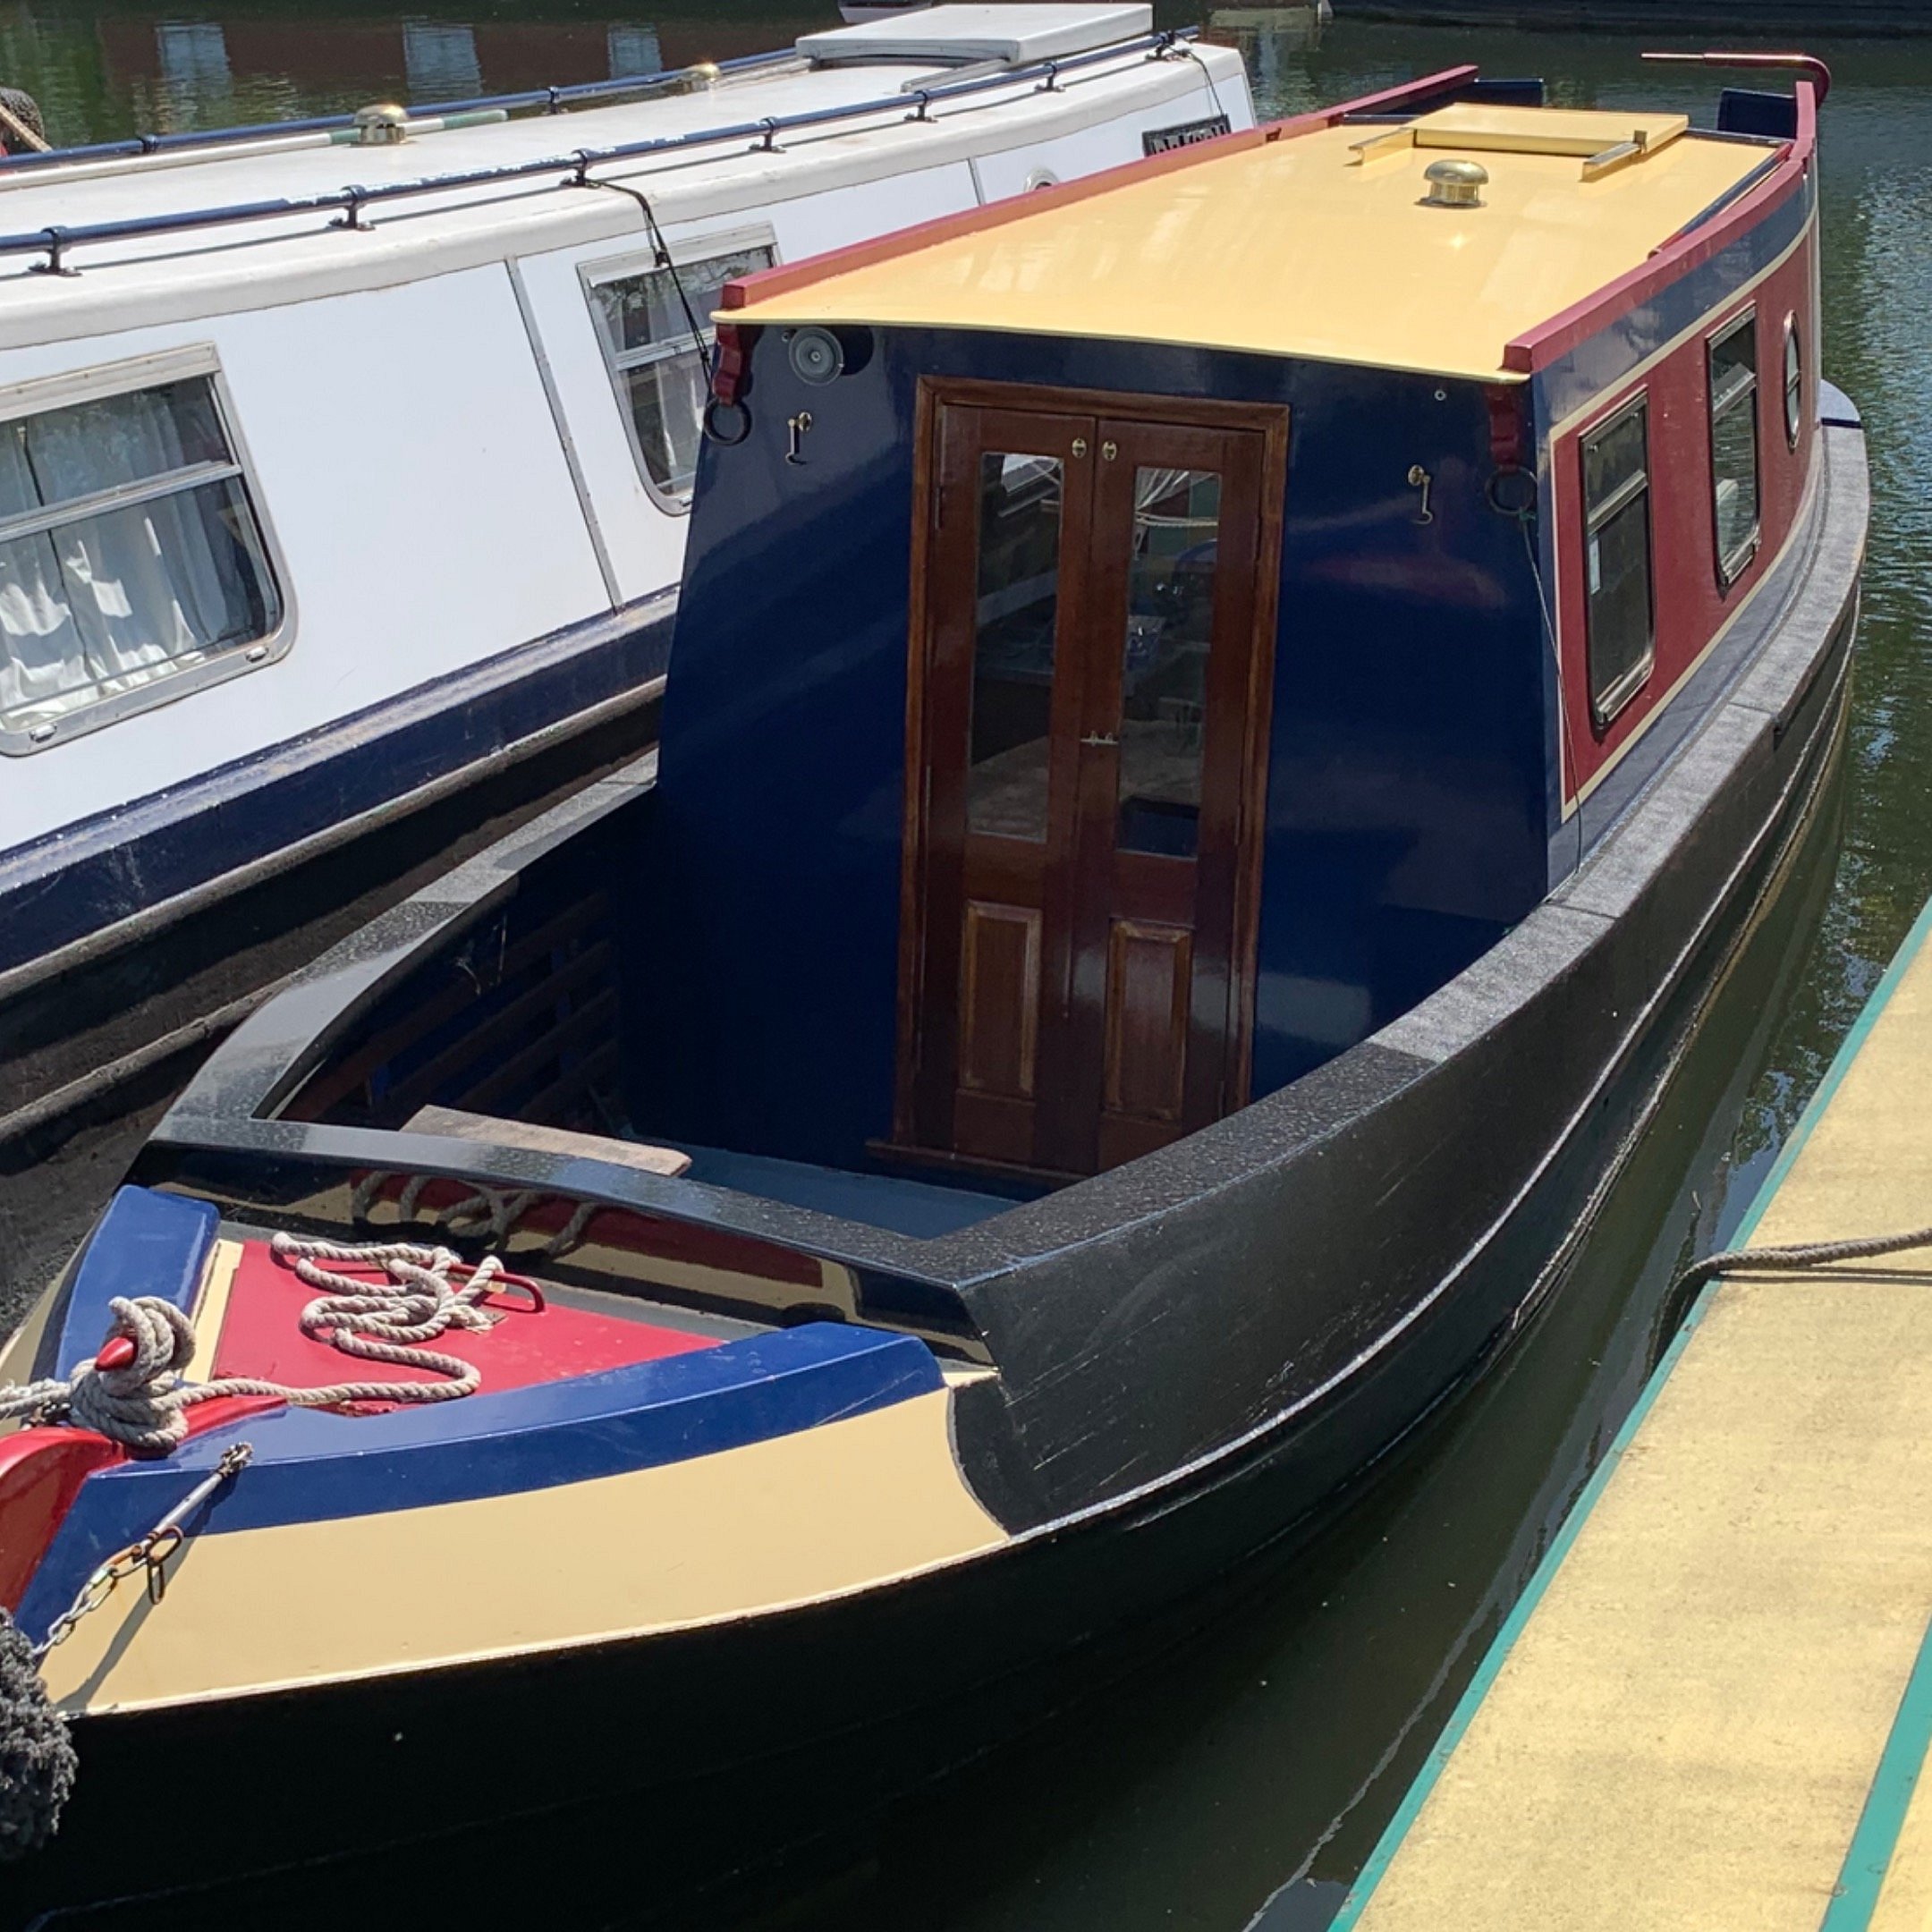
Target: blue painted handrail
{"type": "Point", "coordinates": [347, 203]}
{"type": "Point", "coordinates": [551, 99]}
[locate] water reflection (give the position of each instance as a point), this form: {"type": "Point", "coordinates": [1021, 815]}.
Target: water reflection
{"type": "Point", "coordinates": [102, 74]}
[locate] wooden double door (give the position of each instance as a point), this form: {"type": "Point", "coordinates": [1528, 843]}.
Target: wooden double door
{"type": "Point", "coordinates": [1092, 645]}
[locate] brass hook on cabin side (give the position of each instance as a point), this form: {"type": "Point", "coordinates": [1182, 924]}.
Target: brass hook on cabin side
{"type": "Point", "coordinates": [796, 426]}
{"type": "Point", "coordinates": [1420, 478]}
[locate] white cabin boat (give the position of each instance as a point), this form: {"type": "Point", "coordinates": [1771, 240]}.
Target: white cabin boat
{"type": "Point", "coordinates": [343, 466]}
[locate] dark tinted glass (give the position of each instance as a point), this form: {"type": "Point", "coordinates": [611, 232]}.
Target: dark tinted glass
{"type": "Point", "coordinates": [1017, 609]}
{"type": "Point", "coordinates": [1733, 384]}
{"type": "Point", "coordinates": [1164, 666]}
{"type": "Point", "coordinates": [1793, 384]}
{"type": "Point", "coordinates": [1617, 562]}
{"type": "Point", "coordinates": [1733, 360]}
{"type": "Point", "coordinates": [1612, 458]}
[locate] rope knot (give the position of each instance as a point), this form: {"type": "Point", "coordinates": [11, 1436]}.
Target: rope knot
{"type": "Point", "coordinates": [132, 1403]}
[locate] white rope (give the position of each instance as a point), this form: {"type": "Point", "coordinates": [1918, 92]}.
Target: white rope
{"type": "Point", "coordinates": [489, 1214]}
{"type": "Point", "coordinates": [141, 1405]}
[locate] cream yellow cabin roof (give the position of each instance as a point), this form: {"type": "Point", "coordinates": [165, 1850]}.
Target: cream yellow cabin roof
{"type": "Point", "coordinates": [1318, 245]}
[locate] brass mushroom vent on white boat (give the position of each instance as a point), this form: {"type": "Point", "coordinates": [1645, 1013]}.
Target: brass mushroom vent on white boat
{"type": "Point", "coordinates": [1455, 184]}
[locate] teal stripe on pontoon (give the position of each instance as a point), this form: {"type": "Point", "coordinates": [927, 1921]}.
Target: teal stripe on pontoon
{"type": "Point", "coordinates": [1849, 1049]}
{"type": "Point", "coordinates": [1868, 1856]}
{"type": "Point", "coordinates": [1487, 1671]}
{"type": "Point", "coordinates": [1471, 1701]}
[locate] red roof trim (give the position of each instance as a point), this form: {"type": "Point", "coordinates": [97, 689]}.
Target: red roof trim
{"type": "Point", "coordinates": [1539, 347]}
{"type": "Point", "coordinates": [783, 279]}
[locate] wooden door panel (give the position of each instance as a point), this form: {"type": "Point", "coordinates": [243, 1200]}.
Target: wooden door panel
{"type": "Point", "coordinates": [999, 999]}
{"type": "Point", "coordinates": [1174, 615]}
{"type": "Point", "coordinates": [1148, 978]}
{"type": "Point", "coordinates": [988, 706]}
{"type": "Point", "coordinates": [1086, 715]}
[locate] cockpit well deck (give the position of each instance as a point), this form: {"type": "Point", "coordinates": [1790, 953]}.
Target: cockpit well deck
{"type": "Point", "coordinates": [523, 1022]}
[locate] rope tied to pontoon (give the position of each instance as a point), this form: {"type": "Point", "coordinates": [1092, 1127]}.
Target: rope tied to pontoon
{"type": "Point", "coordinates": [1798, 1255]}
{"type": "Point", "coordinates": [141, 1403]}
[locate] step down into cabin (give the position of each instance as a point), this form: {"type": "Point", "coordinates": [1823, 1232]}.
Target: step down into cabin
{"type": "Point", "coordinates": [461, 1126]}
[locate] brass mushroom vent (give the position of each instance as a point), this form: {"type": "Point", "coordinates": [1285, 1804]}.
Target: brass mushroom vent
{"type": "Point", "coordinates": [1455, 184]}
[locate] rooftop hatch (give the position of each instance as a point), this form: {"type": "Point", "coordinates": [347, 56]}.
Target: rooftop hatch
{"type": "Point", "coordinates": [1013, 35]}
{"type": "Point", "coordinates": [1604, 140]}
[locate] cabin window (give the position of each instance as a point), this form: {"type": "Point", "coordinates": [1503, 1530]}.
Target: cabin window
{"type": "Point", "coordinates": [656, 333]}
{"type": "Point", "coordinates": [1793, 381]}
{"type": "Point", "coordinates": [1617, 496]}
{"type": "Point", "coordinates": [1734, 404]}
{"type": "Point", "coordinates": [133, 566]}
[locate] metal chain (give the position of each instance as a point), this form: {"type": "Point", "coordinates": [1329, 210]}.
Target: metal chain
{"type": "Point", "coordinates": [149, 1552]}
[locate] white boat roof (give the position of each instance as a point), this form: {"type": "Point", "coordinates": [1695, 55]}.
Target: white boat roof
{"type": "Point", "coordinates": [980, 33]}
{"type": "Point", "coordinates": [176, 272]}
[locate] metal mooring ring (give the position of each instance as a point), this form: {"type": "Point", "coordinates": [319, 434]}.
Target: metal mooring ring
{"type": "Point", "coordinates": [729, 423]}
{"type": "Point", "coordinates": [1500, 497]}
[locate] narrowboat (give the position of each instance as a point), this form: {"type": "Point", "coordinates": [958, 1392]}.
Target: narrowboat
{"type": "Point", "coordinates": [349, 463]}
{"type": "Point", "coordinates": [1227, 720]}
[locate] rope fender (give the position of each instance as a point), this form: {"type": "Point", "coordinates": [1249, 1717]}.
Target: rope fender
{"type": "Point", "coordinates": [37, 1752]}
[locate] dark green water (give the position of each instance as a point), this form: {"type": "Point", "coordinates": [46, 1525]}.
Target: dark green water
{"type": "Point", "coordinates": [1243, 1780]}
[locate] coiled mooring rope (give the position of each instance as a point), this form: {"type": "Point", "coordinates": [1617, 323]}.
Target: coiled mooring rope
{"type": "Point", "coordinates": [141, 1403]}
{"type": "Point", "coordinates": [486, 1214]}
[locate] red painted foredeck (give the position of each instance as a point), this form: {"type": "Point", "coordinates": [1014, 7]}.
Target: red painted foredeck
{"type": "Point", "coordinates": [261, 1336]}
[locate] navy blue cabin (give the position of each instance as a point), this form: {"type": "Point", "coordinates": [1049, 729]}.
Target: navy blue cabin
{"type": "Point", "coordinates": [1124, 651]}
{"type": "Point", "coordinates": [1398, 829]}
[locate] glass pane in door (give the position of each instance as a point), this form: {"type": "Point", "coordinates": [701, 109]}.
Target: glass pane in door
{"type": "Point", "coordinates": [1164, 672]}
{"type": "Point", "coordinates": [1017, 608]}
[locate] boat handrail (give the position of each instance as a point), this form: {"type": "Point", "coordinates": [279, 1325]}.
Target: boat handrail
{"type": "Point", "coordinates": [551, 99]}
{"type": "Point", "coordinates": [1736, 192]}
{"type": "Point", "coordinates": [53, 240]}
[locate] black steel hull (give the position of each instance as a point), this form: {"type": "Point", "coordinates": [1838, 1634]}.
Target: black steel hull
{"type": "Point", "coordinates": [1433, 1210]}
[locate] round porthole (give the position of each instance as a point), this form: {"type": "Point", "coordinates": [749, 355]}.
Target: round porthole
{"type": "Point", "coordinates": [815, 357]}
{"type": "Point", "coordinates": [1793, 381]}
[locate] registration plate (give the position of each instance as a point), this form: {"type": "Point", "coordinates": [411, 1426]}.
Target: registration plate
{"type": "Point", "coordinates": [1158, 141]}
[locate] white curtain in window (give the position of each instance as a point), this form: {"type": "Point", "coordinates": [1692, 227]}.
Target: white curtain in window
{"type": "Point", "coordinates": [109, 601]}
